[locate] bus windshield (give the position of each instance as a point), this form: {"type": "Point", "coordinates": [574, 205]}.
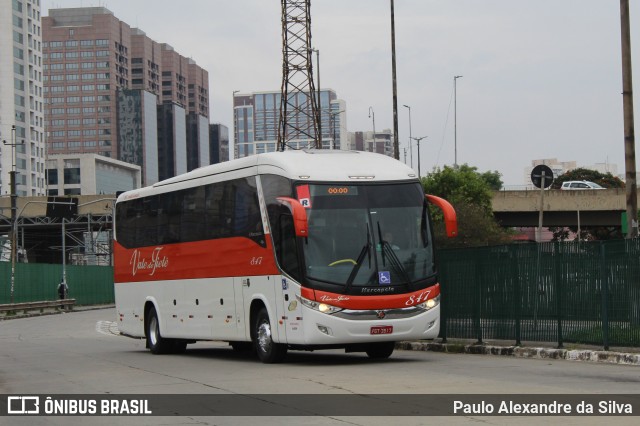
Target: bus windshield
{"type": "Point", "coordinates": [367, 235]}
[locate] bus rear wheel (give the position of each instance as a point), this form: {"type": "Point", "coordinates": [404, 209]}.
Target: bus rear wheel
{"type": "Point", "coordinates": [380, 350]}
{"type": "Point", "coordinates": [268, 351]}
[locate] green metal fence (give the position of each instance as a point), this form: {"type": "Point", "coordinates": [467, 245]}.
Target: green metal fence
{"type": "Point", "coordinates": [89, 285]}
{"type": "Point", "coordinates": [586, 292]}
{"type": "Point", "coordinates": [550, 292]}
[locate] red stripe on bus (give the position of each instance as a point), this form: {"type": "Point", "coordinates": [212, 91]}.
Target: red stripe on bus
{"type": "Point", "coordinates": [387, 301]}
{"type": "Point", "coordinates": [229, 257]}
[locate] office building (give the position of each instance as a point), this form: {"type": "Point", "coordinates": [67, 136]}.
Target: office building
{"type": "Point", "coordinates": [256, 117]}
{"type": "Point", "coordinates": [381, 142]}
{"type": "Point", "coordinates": [101, 80]}
{"type": "Point", "coordinates": [22, 135]}
{"type": "Point", "coordinates": [89, 174]}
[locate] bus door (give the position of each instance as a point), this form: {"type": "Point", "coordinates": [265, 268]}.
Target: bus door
{"type": "Point", "coordinates": [291, 310]}
{"type": "Point", "coordinates": [287, 289]}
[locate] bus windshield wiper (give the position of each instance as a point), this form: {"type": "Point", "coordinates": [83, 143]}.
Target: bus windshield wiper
{"type": "Point", "coordinates": [366, 249]}
{"type": "Point", "coordinates": [386, 248]}
{"type": "Point", "coordinates": [381, 244]}
{"type": "Point", "coordinates": [393, 260]}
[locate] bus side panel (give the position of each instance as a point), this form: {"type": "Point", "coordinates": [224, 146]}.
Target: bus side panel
{"type": "Point", "coordinates": [130, 300]}
{"type": "Point", "coordinates": [209, 309]}
{"type": "Point", "coordinates": [225, 257]}
{"type": "Point", "coordinates": [203, 309]}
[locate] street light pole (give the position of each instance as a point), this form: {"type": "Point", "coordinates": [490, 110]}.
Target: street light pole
{"type": "Point", "coordinates": [455, 121]}
{"type": "Point", "coordinates": [418, 142]}
{"type": "Point", "coordinates": [396, 148]}
{"type": "Point", "coordinates": [372, 115]}
{"type": "Point", "coordinates": [410, 136]}
{"type": "Point", "coordinates": [14, 208]}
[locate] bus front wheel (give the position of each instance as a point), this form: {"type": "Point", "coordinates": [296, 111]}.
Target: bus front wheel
{"type": "Point", "coordinates": [268, 351]}
{"type": "Point", "coordinates": [380, 350]}
{"type": "Point", "coordinates": [155, 342]}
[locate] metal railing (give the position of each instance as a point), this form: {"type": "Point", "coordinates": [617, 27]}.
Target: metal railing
{"type": "Point", "coordinates": [586, 292]}
{"type": "Point", "coordinates": [26, 307]}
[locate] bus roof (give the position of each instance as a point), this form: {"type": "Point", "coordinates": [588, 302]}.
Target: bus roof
{"type": "Point", "coordinates": [312, 165]}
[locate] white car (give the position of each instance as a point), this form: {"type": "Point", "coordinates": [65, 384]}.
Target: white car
{"type": "Point", "coordinates": [580, 184]}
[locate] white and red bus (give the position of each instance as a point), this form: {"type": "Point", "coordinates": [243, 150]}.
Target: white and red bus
{"type": "Point", "coordinates": [285, 250]}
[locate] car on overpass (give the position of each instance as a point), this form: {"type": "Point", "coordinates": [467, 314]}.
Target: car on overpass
{"type": "Point", "coordinates": [580, 184]}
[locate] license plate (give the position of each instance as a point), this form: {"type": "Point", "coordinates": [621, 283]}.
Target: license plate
{"type": "Point", "coordinates": [382, 329]}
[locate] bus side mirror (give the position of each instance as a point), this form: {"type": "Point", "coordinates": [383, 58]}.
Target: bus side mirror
{"type": "Point", "coordinates": [450, 218]}
{"type": "Point", "coordinates": [299, 215]}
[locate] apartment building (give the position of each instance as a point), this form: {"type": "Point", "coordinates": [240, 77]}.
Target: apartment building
{"type": "Point", "coordinates": [22, 135]}
{"type": "Point", "coordinates": [102, 79]}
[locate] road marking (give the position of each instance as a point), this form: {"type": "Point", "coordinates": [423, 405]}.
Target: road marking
{"type": "Point", "coordinates": [108, 328]}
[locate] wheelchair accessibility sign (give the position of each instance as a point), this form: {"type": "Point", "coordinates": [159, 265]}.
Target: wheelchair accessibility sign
{"type": "Point", "coordinates": [384, 277]}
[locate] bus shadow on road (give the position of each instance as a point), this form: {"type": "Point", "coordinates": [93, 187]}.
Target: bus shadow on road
{"type": "Point", "coordinates": [321, 357]}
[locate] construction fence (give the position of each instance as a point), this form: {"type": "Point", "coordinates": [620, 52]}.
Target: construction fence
{"type": "Point", "coordinates": [89, 285]}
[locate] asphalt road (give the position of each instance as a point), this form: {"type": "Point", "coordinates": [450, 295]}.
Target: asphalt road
{"type": "Point", "coordinates": [77, 353]}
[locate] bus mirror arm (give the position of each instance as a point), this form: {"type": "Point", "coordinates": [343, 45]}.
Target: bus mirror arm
{"type": "Point", "coordinates": [299, 215]}
{"type": "Point", "coordinates": [450, 218]}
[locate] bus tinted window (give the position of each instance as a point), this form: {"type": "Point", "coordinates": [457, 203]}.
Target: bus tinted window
{"type": "Point", "coordinates": [220, 210]}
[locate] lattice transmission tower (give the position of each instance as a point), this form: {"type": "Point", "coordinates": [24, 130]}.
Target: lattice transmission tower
{"type": "Point", "coordinates": [299, 112]}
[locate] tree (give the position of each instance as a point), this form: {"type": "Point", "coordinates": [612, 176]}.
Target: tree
{"type": "Point", "coordinates": [606, 180]}
{"type": "Point", "coordinates": [470, 193]}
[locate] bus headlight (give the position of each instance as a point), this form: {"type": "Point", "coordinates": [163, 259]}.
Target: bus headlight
{"type": "Point", "coordinates": [320, 307]}
{"type": "Point", "coordinates": [430, 304]}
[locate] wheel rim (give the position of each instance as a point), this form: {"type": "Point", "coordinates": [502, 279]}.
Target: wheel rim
{"type": "Point", "coordinates": [264, 337]}
{"type": "Point", "coordinates": [153, 330]}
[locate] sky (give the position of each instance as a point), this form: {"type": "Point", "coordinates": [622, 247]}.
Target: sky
{"type": "Point", "coordinates": [540, 78]}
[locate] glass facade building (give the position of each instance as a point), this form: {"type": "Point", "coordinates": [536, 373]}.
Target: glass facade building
{"type": "Point", "coordinates": [256, 117]}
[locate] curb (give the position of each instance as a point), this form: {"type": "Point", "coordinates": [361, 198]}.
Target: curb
{"type": "Point", "coordinates": [586, 355]}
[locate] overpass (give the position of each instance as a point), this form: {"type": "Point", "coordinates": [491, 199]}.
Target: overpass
{"type": "Point", "coordinates": [601, 207]}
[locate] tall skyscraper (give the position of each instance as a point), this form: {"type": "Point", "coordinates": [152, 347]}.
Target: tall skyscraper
{"type": "Point", "coordinates": [218, 143]}
{"type": "Point", "coordinates": [102, 80]}
{"type": "Point", "coordinates": [21, 98]}
{"type": "Point", "coordinates": [256, 122]}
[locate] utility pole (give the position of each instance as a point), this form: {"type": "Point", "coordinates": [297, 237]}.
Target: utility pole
{"type": "Point", "coordinates": [631, 185]}
{"type": "Point", "coordinates": [319, 100]}
{"type": "Point", "coordinates": [396, 146]}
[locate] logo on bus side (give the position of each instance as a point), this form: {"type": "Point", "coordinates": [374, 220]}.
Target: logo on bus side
{"type": "Point", "coordinates": [140, 263]}
{"type": "Point", "coordinates": [325, 298]}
